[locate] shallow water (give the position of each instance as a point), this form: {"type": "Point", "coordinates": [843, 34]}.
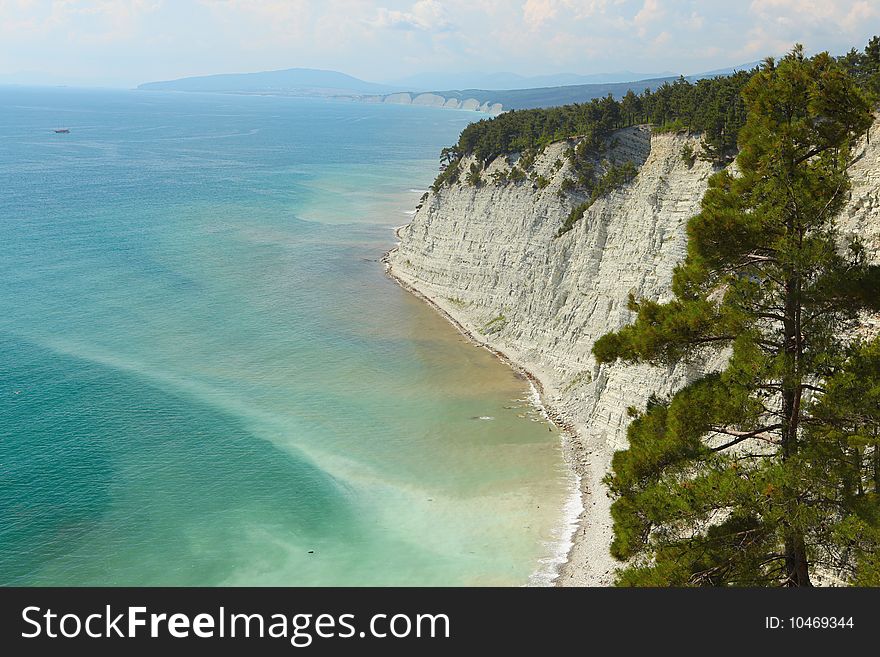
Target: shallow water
{"type": "Point", "coordinates": [205, 376]}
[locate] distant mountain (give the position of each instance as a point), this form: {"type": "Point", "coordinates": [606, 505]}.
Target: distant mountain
{"type": "Point", "coordinates": [307, 81]}
{"type": "Point", "coordinates": [725, 71]}
{"type": "Point", "coordinates": [499, 91]}
{"type": "Point", "coordinates": [493, 101]}
{"type": "Point", "coordinates": [508, 81]}
{"type": "Point", "coordinates": [548, 96]}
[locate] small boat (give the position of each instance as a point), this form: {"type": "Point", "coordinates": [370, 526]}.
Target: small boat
{"type": "Point", "coordinates": [62, 131]}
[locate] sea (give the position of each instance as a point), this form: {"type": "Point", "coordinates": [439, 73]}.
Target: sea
{"type": "Point", "coordinates": [206, 377]}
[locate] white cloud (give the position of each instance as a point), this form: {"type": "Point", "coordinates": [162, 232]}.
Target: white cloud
{"type": "Point", "coordinates": [384, 39]}
{"type": "Point", "coordinates": [650, 12]}
{"type": "Point", "coordinates": [695, 22]}
{"type": "Point", "coordinates": [79, 21]}
{"type": "Point", "coordinates": [423, 16]}
{"type": "Point", "coordinates": [859, 14]}
{"type": "Point", "coordinates": [271, 15]}
{"type": "Point", "coordinates": [538, 12]}
{"type": "Point", "coordinates": [844, 14]}
{"type": "Point", "coordinates": [819, 24]}
{"type": "Point", "coordinates": [662, 39]}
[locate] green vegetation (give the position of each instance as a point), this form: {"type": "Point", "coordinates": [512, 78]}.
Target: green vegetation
{"type": "Point", "coordinates": [767, 472]}
{"type": "Point", "coordinates": [581, 377]}
{"type": "Point", "coordinates": [688, 156]}
{"type": "Point", "coordinates": [501, 176]}
{"type": "Point", "coordinates": [614, 177]}
{"type": "Point", "coordinates": [540, 181]}
{"type": "Point", "coordinates": [448, 176]}
{"type": "Point", "coordinates": [676, 126]}
{"type": "Point", "coordinates": [495, 324]}
{"type": "Point", "coordinates": [527, 159]}
{"type": "Point", "coordinates": [713, 107]}
{"type": "Point", "coordinates": [865, 66]}
{"type": "Point", "coordinates": [573, 217]}
{"type": "Point", "coordinates": [474, 178]}
{"type": "Point", "coordinates": [581, 165]}
{"type": "Point", "coordinates": [567, 187]}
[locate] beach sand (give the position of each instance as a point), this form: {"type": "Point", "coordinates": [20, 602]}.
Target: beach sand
{"type": "Point", "coordinates": [582, 557]}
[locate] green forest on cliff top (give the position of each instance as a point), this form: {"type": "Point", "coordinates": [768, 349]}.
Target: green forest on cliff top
{"type": "Point", "coordinates": [713, 107]}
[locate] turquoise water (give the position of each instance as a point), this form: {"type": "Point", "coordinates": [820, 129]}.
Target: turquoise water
{"type": "Point", "coordinates": [205, 376]}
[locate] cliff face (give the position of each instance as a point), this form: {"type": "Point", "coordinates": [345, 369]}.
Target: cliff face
{"type": "Point", "coordinates": [861, 216]}
{"type": "Point", "coordinates": [436, 100]}
{"type": "Point", "coordinates": [490, 258]}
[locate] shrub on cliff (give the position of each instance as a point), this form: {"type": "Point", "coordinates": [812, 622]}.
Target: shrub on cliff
{"type": "Point", "coordinates": [474, 176]}
{"type": "Point", "coordinates": [615, 177]}
{"type": "Point", "coordinates": [582, 165]}
{"type": "Point", "coordinates": [448, 176]}
{"type": "Point", "coordinates": [688, 155]}
{"type": "Point", "coordinates": [500, 177]}
{"type": "Point", "coordinates": [767, 472]}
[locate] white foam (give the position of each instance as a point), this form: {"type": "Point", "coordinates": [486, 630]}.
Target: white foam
{"type": "Point", "coordinates": [563, 534]}
{"type": "Point", "coordinates": [562, 540]}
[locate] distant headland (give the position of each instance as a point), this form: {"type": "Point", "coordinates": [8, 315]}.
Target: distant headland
{"type": "Point", "coordinates": [307, 82]}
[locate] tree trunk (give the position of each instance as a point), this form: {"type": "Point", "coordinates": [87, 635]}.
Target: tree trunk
{"type": "Point", "coordinates": [876, 464]}
{"type": "Point", "coordinates": [797, 570]}
{"type": "Point", "coordinates": [796, 564]}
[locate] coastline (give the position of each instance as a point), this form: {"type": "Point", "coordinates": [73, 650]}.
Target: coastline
{"type": "Point", "coordinates": [574, 543]}
{"type": "Point", "coordinates": [477, 257]}
{"type": "Point", "coordinates": [491, 255]}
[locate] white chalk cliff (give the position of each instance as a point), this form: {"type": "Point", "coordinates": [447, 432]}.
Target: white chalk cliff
{"type": "Point", "coordinates": [436, 100]}
{"type": "Point", "coordinates": [489, 257]}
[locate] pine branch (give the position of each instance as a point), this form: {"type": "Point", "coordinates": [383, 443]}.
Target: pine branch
{"type": "Point", "coordinates": [742, 436]}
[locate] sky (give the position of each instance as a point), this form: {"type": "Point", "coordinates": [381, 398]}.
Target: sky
{"type": "Point", "coordinates": [126, 42]}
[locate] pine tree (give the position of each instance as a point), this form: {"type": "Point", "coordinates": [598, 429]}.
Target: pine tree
{"type": "Point", "coordinates": [765, 472]}
{"type": "Point", "coordinates": [631, 108]}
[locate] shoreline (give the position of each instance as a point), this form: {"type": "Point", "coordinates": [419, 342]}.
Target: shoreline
{"type": "Point", "coordinates": [574, 512]}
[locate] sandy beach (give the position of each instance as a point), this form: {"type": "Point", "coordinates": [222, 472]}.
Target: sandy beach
{"type": "Point", "coordinates": [585, 526]}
